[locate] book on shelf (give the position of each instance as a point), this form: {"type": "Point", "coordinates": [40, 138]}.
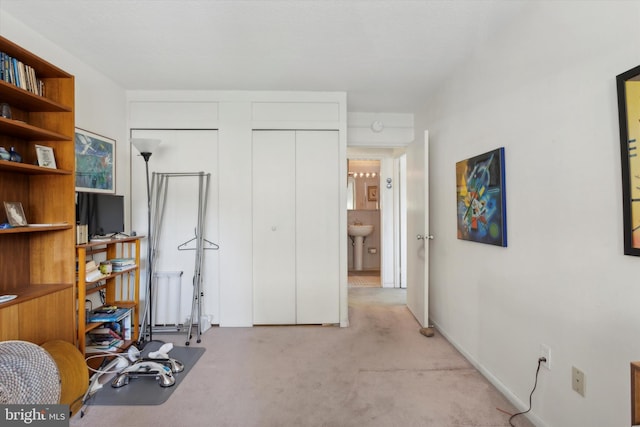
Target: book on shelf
{"type": "Point", "coordinates": [16, 72]}
{"type": "Point", "coordinates": [19, 74]}
{"type": "Point", "coordinates": [120, 329]}
{"type": "Point", "coordinates": [90, 266]}
{"type": "Point", "coordinates": [104, 333]}
{"type": "Point", "coordinates": [92, 272]}
{"type": "Point", "coordinates": [98, 340]}
{"type": "Point", "coordinates": [11, 78]}
{"type": "Point", "coordinates": [121, 268]}
{"type": "Point", "coordinates": [116, 315]}
{"type": "Point", "coordinates": [122, 264]}
{"type": "Point", "coordinates": [23, 75]}
{"type": "Point", "coordinates": [99, 348]}
{"type": "Point", "coordinates": [102, 342]}
{"type": "Point", "coordinates": [103, 336]}
{"type": "Point", "coordinates": [123, 261]}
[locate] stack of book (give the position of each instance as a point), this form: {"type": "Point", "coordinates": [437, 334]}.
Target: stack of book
{"type": "Point", "coordinates": [113, 333]}
{"type": "Point", "coordinates": [103, 339]}
{"type": "Point", "coordinates": [92, 272]}
{"type": "Point", "coordinates": [122, 264]}
{"type": "Point", "coordinates": [103, 316]}
{"type": "Point", "coordinates": [19, 74]}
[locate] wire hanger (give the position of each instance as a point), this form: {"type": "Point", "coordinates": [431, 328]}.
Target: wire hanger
{"type": "Point", "coordinates": [183, 246]}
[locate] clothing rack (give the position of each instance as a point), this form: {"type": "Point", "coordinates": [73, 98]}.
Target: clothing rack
{"type": "Point", "coordinates": [159, 186]}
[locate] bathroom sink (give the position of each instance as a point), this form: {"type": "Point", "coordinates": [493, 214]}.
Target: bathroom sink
{"type": "Point", "coordinates": [359, 230]}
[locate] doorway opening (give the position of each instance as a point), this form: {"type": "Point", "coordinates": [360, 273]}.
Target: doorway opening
{"type": "Point", "coordinates": [364, 223]}
{"type": "Point", "coordinates": [378, 200]}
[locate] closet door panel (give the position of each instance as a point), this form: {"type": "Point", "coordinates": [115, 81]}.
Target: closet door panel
{"type": "Point", "coordinates": [273, 157]}
{"type": "Point", "coordinates": [317, 227]}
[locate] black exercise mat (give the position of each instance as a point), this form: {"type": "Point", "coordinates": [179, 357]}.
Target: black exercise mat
{"type": "Point", "coordinates": [147, 390]}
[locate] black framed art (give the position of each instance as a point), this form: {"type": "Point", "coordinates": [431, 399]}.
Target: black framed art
{"type": "Point", "coordinates": [628, 85]}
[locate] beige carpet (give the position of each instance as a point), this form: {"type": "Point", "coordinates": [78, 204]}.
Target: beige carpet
{"type": "Point", "coordinates": [378, 372]}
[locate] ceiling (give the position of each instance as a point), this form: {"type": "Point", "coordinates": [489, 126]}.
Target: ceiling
{"type": "Point", "coordinates": [388, 55]}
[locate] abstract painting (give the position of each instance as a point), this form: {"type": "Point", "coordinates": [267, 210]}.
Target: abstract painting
{"type": "Point", "coordinates": [95, 156]}
{"type": "Point", "coordinates": [482, 211]}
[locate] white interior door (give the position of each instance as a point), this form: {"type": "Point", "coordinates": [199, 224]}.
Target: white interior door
{"type": "Point", "coordinates": [317, 198]}
{"type": "Point", "coordinates": [296, 218]}
{"type": "Point", "coordinates": [274, 238]}
{"type": "Point", "coordinates": [418, 229]}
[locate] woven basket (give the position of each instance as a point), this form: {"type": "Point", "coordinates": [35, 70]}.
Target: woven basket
{"type": "Point", "coordinates": [28, 374]}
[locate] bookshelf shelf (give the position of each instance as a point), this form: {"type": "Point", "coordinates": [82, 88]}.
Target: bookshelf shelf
{"type": "Point", "coordinates": [43, 229]}
{"type": "Point", "coordinates": [21, 98]}
{"type": "Point", "coordinates": [25, 294]}
{"type": "Point", "coordinates": [111, 276]}
{"type": "Point", "coordinates": [26, 131]}
{"type": "Point", "coordinates": [27, 169]}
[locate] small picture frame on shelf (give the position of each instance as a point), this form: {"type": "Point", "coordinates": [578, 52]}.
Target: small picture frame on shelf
{"type": "Point", "coordinates": [15, 214]}
{"type": "Point", "coordinates": [46, 159]}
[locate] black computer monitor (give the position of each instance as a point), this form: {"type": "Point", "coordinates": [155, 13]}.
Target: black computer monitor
{"type": "Point", "coordinates": [102, 213]}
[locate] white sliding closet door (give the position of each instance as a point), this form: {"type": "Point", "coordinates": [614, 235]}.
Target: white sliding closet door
{"type": "Point", "coordinates": [274, 288]}
{"type": "Point", "coordinates": [296, 192]}
{"type": "Point", "coordinates": [317, 227]}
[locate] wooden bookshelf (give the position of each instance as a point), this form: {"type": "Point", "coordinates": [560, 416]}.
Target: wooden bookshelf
{"type": "Point", "coordinates": [38, 263]}
{"type": "Point", "coordinates": [120, 288]}
{"type": "Point", "coordinates": [635, 393]}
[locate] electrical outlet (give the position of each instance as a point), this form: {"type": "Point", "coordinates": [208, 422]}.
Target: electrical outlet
{"type": "Point", "coordinates": [577, 381]}
{"type": "Point", "coordinates": [545, 352]}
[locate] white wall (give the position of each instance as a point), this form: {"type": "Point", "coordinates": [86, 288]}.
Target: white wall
{"type": "Point", "coordinates": [99, 101]}
{"type": "Point", "coordinates": [390, 130]}
{"type": "Point", "coordinates": [545, 90]}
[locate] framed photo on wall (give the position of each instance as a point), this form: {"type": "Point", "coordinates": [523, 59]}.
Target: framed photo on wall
{"type": "Point", "coordinates": [628, 84]}
{"type": "Point", "coordinates": [95, 162]}
{"type": "Point", "coordinates": [372, 193]}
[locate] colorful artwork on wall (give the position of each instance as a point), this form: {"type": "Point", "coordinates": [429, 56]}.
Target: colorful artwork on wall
{"type": "Point", "coordinates": [482, 210]}
{"type": "Point", "coordinates": [95, 155]}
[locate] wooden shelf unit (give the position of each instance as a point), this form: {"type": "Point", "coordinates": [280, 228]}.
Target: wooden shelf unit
{"type": "Point", "coordinates": [121, 289]}
{"type": "Point", "coordinates": [38, 263]}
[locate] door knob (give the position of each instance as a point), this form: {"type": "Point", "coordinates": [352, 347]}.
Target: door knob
{"type": "Point", "coordinates": [425, 237]}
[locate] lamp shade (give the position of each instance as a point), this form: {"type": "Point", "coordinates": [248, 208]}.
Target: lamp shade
{"type": "Point", "coordinates": [145, 145]}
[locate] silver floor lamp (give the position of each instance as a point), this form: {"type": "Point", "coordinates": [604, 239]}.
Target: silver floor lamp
{"type": "Point", "coordinates": [146, 147]}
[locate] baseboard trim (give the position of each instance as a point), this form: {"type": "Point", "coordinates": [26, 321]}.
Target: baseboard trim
{"type": "Point", "coordinates": [520, 405]}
